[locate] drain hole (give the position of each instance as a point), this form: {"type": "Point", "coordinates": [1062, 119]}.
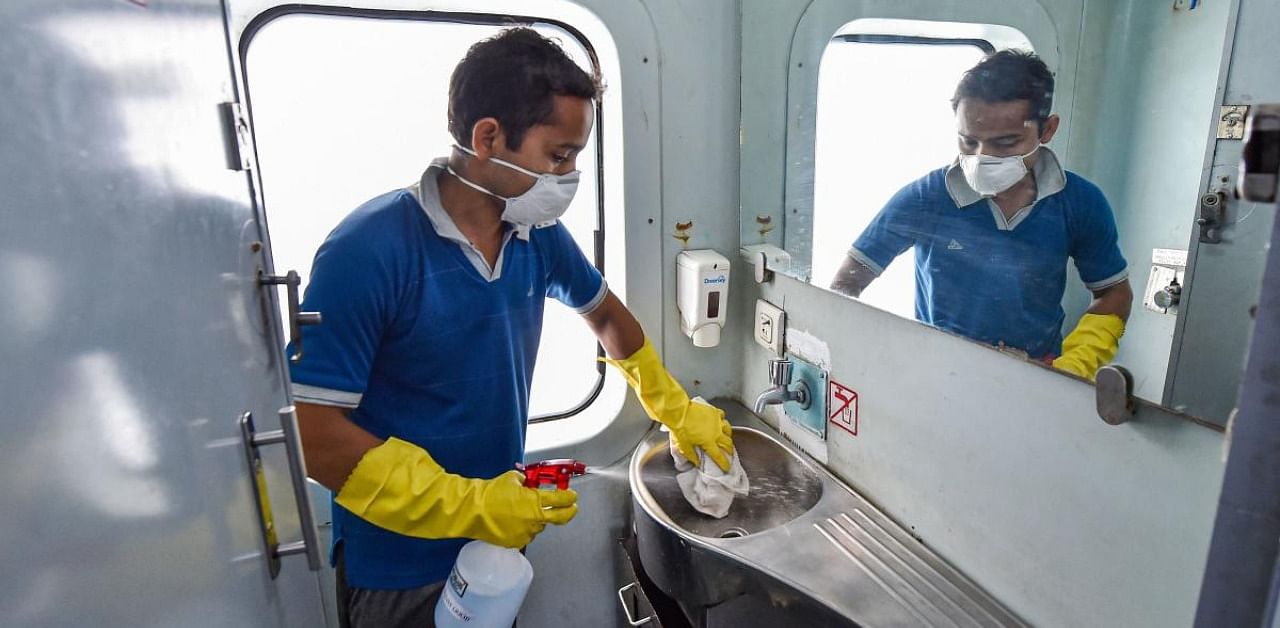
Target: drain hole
{"type": "Point", "coordinates": [733, 533]}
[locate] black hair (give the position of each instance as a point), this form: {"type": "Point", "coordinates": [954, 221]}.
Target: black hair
{"type": "Point", "coordinates": [1006, 76]}
{"type": "Point", "coordinates": [513, 77]}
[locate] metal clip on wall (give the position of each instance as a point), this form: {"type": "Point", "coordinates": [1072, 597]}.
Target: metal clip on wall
{"type": "Point", "coordinates": [766, 259]}
{"type": "Point", "coordinates": [1114, 389]}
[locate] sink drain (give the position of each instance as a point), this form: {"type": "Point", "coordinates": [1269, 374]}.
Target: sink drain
{"type": "Point", "coordinates": [733, 533]}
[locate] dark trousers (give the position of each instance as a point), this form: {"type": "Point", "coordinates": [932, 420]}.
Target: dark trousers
{"type": "Point", "coordinates": [384, 608]}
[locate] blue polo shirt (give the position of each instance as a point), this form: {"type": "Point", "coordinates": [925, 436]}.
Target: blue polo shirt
{"type": "Point", "coordinates": [423, 341]}
{"type": "Point", "coordinates": [991, 278]}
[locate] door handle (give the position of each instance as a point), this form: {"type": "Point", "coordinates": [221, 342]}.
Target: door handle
{"type": "Point", "coordinates": [288, 436]}
{"type": "Point", "coordinates": [297, 319]}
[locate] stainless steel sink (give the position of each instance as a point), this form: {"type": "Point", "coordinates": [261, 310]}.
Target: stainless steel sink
{"type": "Point", "coordinates": [802, 548]}
{"type": "Point", "coordinates": [783, 487]}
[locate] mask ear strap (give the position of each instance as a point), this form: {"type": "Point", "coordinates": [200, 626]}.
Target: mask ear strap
{"type": "Point", "coordinates": [471, 185]}
{"type": "Point", "coordinates": [501, 162]}
{"type": "Point", "coordinates": [512, 166]}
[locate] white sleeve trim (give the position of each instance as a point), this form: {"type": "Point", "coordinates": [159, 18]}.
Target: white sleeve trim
{"type": "Point", "coordinates": [1109, 281]}
{"type": "Point", "coordinates": [595, 301]}
{"type": "Point", "coordinates": [325, 396]}
{"type": "Point", "coordinates": [861, 258]}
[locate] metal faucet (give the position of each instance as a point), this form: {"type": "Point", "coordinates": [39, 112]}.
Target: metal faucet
{"type": "Point", "coordinates": [782, 391]}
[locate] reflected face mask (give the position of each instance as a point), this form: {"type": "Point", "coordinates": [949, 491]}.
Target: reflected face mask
{"type": "Point", "coordinates": [989, 175]}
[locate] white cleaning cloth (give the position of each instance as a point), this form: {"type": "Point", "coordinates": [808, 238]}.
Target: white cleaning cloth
{"type": "Point", "coordinates": [708, 489]}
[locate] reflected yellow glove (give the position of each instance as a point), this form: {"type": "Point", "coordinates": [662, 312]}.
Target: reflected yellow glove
{"type": "Point", "coordinates": [398, 486]}
{"type": "Point", "coordinates": [1090, 345]}
{"type": "Point", "coordinates": [694, 425]}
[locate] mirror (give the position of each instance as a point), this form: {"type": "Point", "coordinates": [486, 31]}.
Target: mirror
{"type": "Point", "coordinates": [1069, 200]}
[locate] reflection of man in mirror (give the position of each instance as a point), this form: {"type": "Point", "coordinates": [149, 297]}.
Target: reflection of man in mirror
{"type": "Point", "coordinates": [992, 232]}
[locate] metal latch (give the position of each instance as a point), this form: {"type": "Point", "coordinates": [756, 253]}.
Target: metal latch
{"type": "Point", "coordinates": [1231, 121]}
{"type": "Point", "coordinates": [1213, 206]}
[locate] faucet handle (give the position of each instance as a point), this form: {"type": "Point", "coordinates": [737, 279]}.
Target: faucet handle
{"type": "Point", "coordinates": [780, 372]}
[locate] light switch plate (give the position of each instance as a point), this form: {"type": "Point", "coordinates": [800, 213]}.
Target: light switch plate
{"type": "Point", "coordinates": [1166, 265]}
{"type": "Point", "coordinates": [770, 326]}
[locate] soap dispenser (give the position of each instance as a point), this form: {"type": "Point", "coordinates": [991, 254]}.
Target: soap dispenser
{"type": "Point", "coordinates": [702, 294]}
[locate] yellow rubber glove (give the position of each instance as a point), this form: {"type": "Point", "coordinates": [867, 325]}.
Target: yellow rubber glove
{"type": "Point", "coordinates": [1091, 344]}
{"type": "Point", "coordinates": [694, 425]}
{"type": "Point", "coordinates": [398, 486]}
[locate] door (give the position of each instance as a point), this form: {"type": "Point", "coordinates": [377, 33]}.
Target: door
{"type": "Point", "coordinates": [1223, 278]}
{"type": "Point", "coordinates": [134, 331]}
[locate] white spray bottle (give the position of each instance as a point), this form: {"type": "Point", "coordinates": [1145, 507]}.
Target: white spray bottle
{"type": "Point", "coordinates": [488, 583]}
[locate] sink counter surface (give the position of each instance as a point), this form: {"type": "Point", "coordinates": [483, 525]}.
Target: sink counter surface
{"type": "Point", "coordinates": [801, 537]}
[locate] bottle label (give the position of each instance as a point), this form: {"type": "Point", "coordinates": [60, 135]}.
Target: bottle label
{"type": "Point", "coordinates": [457, 582]}
{"type": "Point", "coordinates": [455, 607]}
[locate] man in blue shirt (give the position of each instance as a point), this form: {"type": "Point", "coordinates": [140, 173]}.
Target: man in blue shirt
{"type": "Point", "coordinates": [993, 231]}
{"type": "Point", "coordinates": [413, 393]}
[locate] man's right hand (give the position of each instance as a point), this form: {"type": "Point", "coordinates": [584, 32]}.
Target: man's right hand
{"type": "Point", "coordinates": [517, 513]}
{"type": "Point", "coordinates": [398, 486]}
{"type": "Point", "coordinates": [1093, 343]}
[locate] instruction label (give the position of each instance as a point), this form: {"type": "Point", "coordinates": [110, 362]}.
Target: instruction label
{"type": "Point", "coordinates": [842, 404]}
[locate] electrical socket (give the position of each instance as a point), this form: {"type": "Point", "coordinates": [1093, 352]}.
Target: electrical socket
{"type": "Point", "coordinates": [770, 326]}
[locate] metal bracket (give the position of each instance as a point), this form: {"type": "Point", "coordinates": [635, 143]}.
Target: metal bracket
{"type": "Point", "coordinates": [1213, 208]}
{"type": "Point", "coordinates": [288, 436]}
{"type": "Point", "coordinates": [1231, 121]}
{"type": "Point", "coordinates": [1113, 385]}
{"type": "Point", "coordinates": [236, 145]}
{"type": "Point", "coordinates": [766, 259]}
{"type": "Point", "coordinates": [761, 264]}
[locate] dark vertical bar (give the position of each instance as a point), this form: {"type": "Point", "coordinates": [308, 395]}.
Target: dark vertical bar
{"type": "Point", "coordinates": [1239, 579]}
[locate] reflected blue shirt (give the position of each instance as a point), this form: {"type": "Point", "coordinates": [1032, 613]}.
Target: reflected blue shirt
{"type": "Point", "coordinates": [992, 279]}
{"type": "Point", "coordinates": [424, 342]}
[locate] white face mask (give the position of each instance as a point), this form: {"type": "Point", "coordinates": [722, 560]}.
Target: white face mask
{"type": "Point", "coordinates": [541, 204]}
{"type": "Point", "coordinates": [989, 175]}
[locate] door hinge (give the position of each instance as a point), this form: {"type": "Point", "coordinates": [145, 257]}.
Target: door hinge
{"type": "Point", "coordinates": [235, 136]}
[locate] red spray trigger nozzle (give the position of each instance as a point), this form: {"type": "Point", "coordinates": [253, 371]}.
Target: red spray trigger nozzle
{"type": "Point", "coordinates": [555, 472]}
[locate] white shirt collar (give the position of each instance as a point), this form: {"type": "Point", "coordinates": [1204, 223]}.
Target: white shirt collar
{"type": "Point", "coordinates": [427, 192]}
